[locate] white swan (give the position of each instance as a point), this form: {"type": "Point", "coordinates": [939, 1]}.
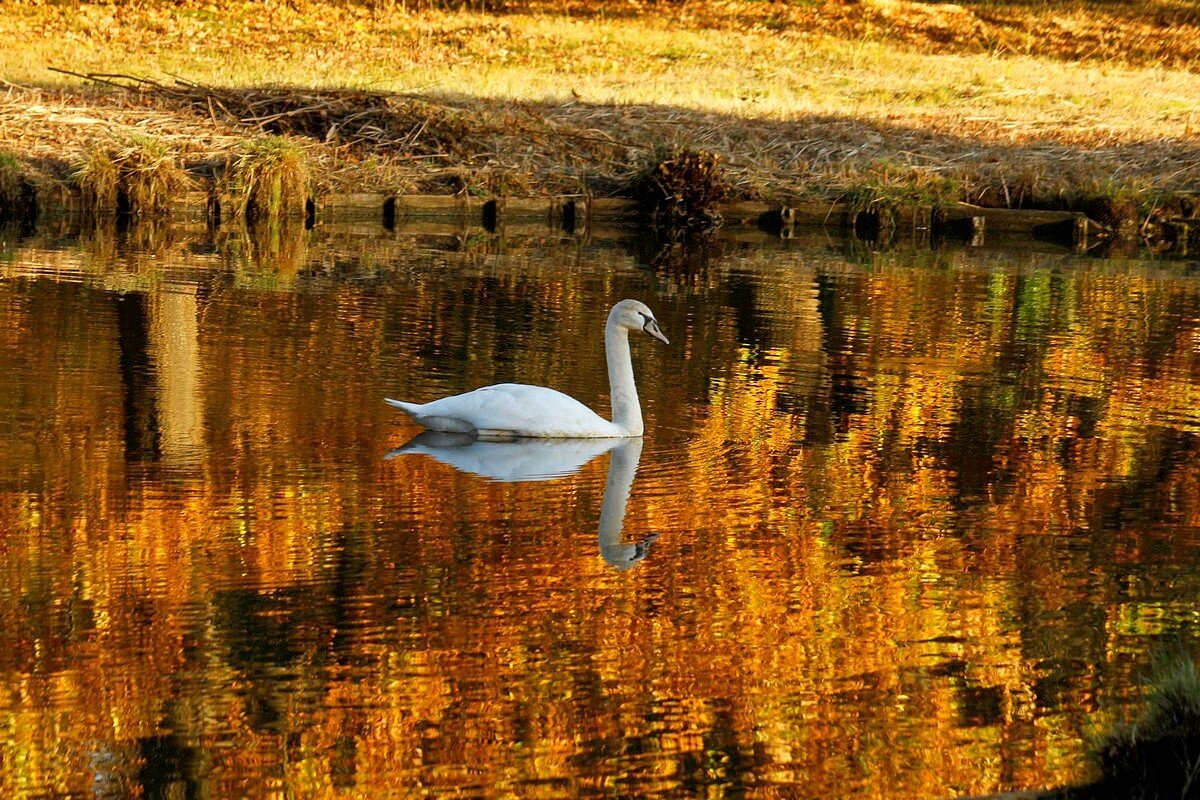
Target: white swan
{"type": "Point", "coordinates": [518, 410]}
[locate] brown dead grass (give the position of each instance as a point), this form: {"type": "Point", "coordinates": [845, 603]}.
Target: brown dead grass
{"type": "Point", "coordinates": [528, 149]}
{"type": "Point", "coordinates": [1046, 105]}
{"type": "Point", "coordinates": [137, 175]}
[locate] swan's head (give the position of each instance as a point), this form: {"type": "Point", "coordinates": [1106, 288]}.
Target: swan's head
{"type": "Point", "coordinates": [635, 316]}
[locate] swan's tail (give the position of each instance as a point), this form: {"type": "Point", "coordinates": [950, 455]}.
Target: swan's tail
{"type": "Point", "coordinates": [420, 415]}
{"type": "Point", "coordinates": [407, 408]}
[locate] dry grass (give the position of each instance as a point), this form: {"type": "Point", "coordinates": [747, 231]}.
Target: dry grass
{"type": "Point", "coordinates": [683, 191]}
{"type": "Point", "coordinates": [97, 176]}
{"type": "Point", "coordinates": [1009, 104]}
{"type": "Point", "coordinates": [268, 178]}
{"type": "Point", "coordinates": [138, 176]}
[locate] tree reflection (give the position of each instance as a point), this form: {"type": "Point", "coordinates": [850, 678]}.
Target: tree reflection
{"type": "Point", "coordinates": [921, 516]}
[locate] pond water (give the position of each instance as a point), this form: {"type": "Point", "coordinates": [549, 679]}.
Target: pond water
{"type": "Point", "coordinates": [903, 524]}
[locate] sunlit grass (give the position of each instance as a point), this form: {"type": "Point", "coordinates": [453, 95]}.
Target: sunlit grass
{"type": "Point", "coordinates": [268, 179]}
{"type": "Point", "coordinates": [747, 72]}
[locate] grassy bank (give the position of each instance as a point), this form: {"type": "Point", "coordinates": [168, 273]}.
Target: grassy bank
{"type": "Point", "coordinates": [1064, 105]}
{"type": "Point", "coordinates": [1156, 756]}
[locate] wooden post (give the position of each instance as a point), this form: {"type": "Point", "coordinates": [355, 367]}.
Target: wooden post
{"type": "Point", "coordinates": [492, 210]}
{"type": "Point", "coordinates": [978, 229]}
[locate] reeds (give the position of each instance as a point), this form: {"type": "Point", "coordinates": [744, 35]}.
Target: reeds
{"type": "Point", "coordinates": [268, 178]}
{"type": "Point", "coordinates": [139, 176]}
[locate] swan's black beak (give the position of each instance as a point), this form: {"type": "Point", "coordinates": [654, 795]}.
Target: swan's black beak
{"type": "Point", "coordinates": [651, 327]}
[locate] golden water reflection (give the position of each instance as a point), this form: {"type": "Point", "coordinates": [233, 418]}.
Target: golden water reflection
{"type": "Point", "coordinates": [903, 524]}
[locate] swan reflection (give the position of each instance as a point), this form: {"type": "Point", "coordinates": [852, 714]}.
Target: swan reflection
{"type": "Point", "coordinates": [621, 471]}
{"type": "Point", "coordinates": [545, 459]}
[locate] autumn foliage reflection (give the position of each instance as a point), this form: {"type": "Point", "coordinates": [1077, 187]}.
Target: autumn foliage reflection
{"type": "Point", "coordinates": [919, 518]}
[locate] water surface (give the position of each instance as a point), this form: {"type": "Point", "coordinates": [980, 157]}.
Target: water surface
{"type": "Point", "coordinates": [904, 524]}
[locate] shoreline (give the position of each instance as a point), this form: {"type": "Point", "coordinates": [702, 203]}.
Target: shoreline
{"type": "Point", "coordinates": [787, 107]}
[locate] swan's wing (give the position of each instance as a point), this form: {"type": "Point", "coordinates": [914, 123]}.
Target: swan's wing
{"type": "Point", "coordinates": [518, 409]}
{"type": "Point", "coordinates": [519, 460]}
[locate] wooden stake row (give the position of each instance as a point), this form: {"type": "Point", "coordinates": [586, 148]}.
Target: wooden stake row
{"type": "Point", "coordinates": [579, 213]}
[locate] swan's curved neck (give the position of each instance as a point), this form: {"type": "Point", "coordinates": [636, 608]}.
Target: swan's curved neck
{"type": "Point", "coordinates": [626, 410]}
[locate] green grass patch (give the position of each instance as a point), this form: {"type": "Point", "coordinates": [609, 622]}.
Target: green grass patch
{"type": "Point", "coordinates": [885, 183]}
{"type": "Point", "coordinates": [11, 179]}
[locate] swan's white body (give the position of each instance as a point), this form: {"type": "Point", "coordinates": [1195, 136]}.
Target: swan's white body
{"type": "Point", "coordinates": [519, 410]}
